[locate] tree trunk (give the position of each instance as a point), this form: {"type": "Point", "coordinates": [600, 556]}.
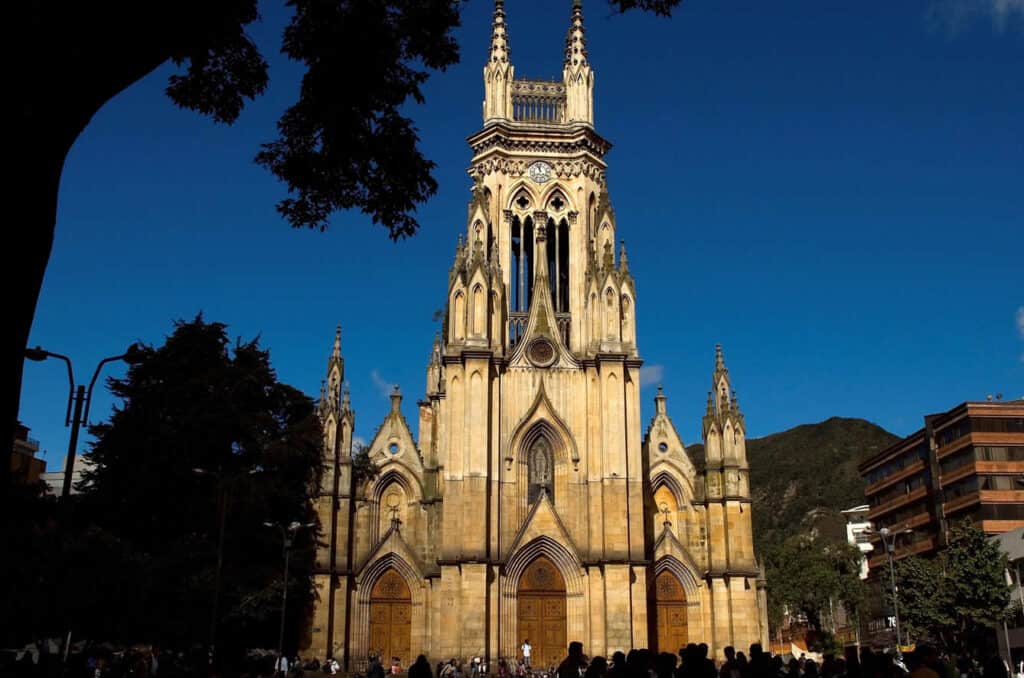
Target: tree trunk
{"type": "Point", "coordinates": [36, 183]}
{"type": "Point", "coordinates": [79, 61]}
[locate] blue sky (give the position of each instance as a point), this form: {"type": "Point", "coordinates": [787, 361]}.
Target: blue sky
{"type": "Point", "coordinates": [832, 190]}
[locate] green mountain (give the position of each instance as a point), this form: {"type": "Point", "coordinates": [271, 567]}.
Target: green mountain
{"type": "Point", "coordinates": [807, 475]}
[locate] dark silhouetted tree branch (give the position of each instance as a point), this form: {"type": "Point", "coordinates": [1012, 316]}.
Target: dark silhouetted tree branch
{"type": "Point", "coordinates": [342, 145]}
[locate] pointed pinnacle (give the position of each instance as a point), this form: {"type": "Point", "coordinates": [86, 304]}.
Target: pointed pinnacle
{"type": "Point", "coordinates": [337, 342]}
{"type": "Point", "coordinates": [499, 34]}
{"type": "Point", "coordinates": [623, 259]}
{"type": "Point", "coordinates": [719, 360]}
{"type": "Point", "coordinates": [575, 44]}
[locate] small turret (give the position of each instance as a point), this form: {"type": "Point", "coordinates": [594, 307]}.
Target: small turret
{"type": "Point", "coordinates": [659, 402]}
{"type": "Point", "coordinates": [434, 368]}
{"type": "Point", "coordinates": [330, 388]}
{"type": "Point", "coordinates": [498, 72]}
{"type": "Point", "coordinates": [577, 74]}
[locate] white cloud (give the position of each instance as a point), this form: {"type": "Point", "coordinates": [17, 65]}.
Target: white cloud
{"type": "Point", "coordinates": [382, 385]}
{"type": "Point", "coordinates": [955, 15]}
{"type": "Point", "coordinates": [651, 374]}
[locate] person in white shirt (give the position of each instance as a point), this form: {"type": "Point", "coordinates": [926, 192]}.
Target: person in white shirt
{"type": "Point", "coordinates": [281, 665]}
{"type": "Point", "coordinates": [526, 648]}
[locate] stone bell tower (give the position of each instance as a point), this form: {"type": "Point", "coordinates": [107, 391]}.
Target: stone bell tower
{"type": "Point", "coordinates": [538, 433]}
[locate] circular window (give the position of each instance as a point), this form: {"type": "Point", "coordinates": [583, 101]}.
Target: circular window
{"type": "Point", "coordinates": [541, 352]}
{"type": "Point", "coordinates": [663, 447]}
{"type": "Point", "coordinates": [393, 448]}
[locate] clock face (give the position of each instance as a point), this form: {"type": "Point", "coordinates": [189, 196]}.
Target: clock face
{"type": "Point", "coordinates": [539, 171]}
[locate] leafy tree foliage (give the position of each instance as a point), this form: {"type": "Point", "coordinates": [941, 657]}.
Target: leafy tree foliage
{"type": "Point", "coordinates": [363, 468]}
{"type": "Point", "coordinates": [809, 576]}
{"type": "Point", "coordinates": [139, 561]}
{"type": "Point", "coordinates": [956, 598]}
{"type": "Point", "coordinates": [344, 144]}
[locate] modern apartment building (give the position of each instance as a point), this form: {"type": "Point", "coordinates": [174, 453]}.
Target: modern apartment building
{"type": "Point", "coordinates": [966, 463]}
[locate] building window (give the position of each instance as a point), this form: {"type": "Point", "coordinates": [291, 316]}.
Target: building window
{"type": "Point", "coordinates": [898, 464]}
{"type": "Point", "coordinates": [999, 424]}
{"type": "Point", "coordinates": [953, 432]}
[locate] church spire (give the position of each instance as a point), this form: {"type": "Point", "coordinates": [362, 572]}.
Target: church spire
{"type": "Point", "coordinates": [499, 33]}
{"type": "Point", "coordinates": [336, 351]}
{"type": "Point", "coordinates": [720, 381]}
{"type": "Point", "coordinates": [575, 41]}
{"type": "Point", "coordinates": [576, 72]}
{"type": "Point", "coordinates": [498, 72]}
{"type": "Point", "coordinates": [330, 389]}
{"type": "Point", "coordinates": [725, 405]}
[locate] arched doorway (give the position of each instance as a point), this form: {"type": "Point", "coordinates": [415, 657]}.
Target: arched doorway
{"type": "Point", "coordinates": [542, 620]}
{"type": "Point", "coordinates": [391, 619]}
{"type": "Point", "coordinates": [669, 613]}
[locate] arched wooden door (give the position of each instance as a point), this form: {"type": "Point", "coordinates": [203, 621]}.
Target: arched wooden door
{"type": "Point", "coordinates": [391, 619]}
{"type": "Point", "coordinates": [541, 617]}
{"type": "Point", "coordinates": [670, 608]}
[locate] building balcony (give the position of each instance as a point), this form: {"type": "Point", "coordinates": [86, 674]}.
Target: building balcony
{"type": "Point", "coordinates": [983, 496]}
{"type": "Point", "coordinates": [898, 502]}
{"type": "Point", "coordinates": [903, 473]}
{"type": "Point", "coordinates": [981, 467]}
{"type": "Point", "coordinates": [994, 438]}
{"type": "Point", "coordinates": [918, 547]}
{"type": "Point", "coordinates": [999, 526]}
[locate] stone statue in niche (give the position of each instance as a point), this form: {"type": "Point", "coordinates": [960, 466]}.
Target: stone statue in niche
{"type": "Point", "coordinates": [541, 471]}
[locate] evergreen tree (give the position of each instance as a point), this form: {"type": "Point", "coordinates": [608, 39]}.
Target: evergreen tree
{"type": "Point", "coordinates": [204, 433]}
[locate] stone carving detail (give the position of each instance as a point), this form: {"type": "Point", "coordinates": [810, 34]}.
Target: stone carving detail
{"type": "Point", "coordinates": [732, 484]}
{"type": "Point", "coordinates": [563, 169]}
{"type": "Point", "coordinates": [714, 485]}
{"type": "Point", "coordinates": [669, 589]}
{"type": "Point", "coordinates": [541, 577]}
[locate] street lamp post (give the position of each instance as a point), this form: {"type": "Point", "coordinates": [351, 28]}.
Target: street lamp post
{"type": "Point", "coordinates": [287, 535]}
{"type": "Point", "coordinates": [222, 511]}
{"type": "Point", "coordinates": [79, 400]}
{"type": "Point", "coordinates": [889, 542]}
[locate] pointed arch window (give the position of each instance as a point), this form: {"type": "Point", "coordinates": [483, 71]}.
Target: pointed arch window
{"type": "Point", "coordinates": [558, 264]}
{"type": "Point", "coordinates": [540, 470]}
{"type": "Point", "coordinates": [522, 264]}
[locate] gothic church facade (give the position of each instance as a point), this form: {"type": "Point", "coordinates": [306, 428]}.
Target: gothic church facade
{"type": "Point", "coordinates": [533, 504]}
